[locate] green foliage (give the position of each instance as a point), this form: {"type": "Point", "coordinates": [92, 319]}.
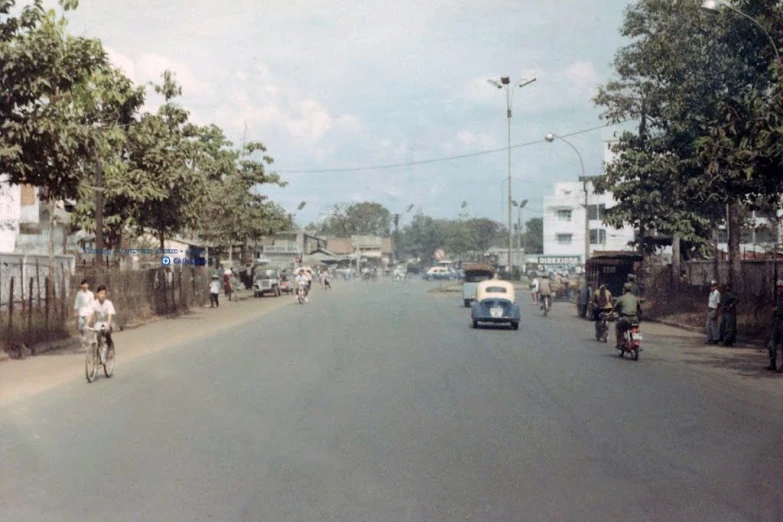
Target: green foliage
{"type": "Point", "coordinates": [704, 92]}
{"type": "Point", "coordinates": [534, 236]}
{"type": "Point", "coordinates": [360, 219]}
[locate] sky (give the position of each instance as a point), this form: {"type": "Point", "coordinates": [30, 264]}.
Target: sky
{"type": "Point", "coordinates": [341, 84]}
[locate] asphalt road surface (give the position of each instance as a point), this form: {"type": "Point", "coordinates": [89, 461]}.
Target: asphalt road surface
{"type": "Point", "coordinates": [379, 402]}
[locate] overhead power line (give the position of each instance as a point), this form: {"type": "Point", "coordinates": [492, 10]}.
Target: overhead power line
{"type": "Point", "coordinates": [438, 160]}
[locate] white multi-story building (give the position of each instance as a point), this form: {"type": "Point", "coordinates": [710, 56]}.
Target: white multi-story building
{"type": "Point", "coordinates": [564, 219]}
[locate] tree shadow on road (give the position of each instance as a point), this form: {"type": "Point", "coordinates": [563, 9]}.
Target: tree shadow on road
{"type": "Point", "coordinates": [748, 363]}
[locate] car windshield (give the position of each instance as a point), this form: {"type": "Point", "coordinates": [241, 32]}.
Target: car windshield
{"type": "Point", "coordinates": [268, 274]}
{"type": "Point", "coordinates": [496, 290]}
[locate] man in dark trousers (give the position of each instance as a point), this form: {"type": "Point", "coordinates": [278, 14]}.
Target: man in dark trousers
{"type": "Point", "coordinates": [728, 308]}
{"type": "Point", "coordinates": [777, 330]}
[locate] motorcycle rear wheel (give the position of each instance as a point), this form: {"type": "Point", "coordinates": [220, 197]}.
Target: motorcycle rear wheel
{"type": "Point", "coordinates": [620, 352]}
{"type": "Point", "coordinates": [635, 353]}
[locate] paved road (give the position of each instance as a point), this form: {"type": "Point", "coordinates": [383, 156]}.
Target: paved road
{"type": "Point", "coordinates": [378, 402]}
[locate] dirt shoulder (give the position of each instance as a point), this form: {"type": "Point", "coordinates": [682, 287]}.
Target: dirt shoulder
{"type": "Point", "coordinates": [30, 376]}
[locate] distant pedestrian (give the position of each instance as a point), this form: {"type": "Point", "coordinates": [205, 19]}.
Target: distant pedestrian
{"type": "Point", "coordinates": [713, 303]}
{"type": "Point", "coordinates": [214, 291]}
{"type": "Point", "coordinates": [227, 290]}
{"type": "Point", "coordinates": [534, 289]}
{"type": "Point", "coordinates": [83, 305]}
{"type": "Point", "coordinates": [777, 330]}
{"type": "Point", "coordinates": [728, 308]}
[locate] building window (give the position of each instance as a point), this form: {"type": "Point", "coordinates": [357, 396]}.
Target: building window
{"type": "Point", "coordinates": [766, 214]}
{"type": "Point", "coordinates": [27, 195]}
{"type": "Point", "coordinates": [598, 236]}
{"type": "Point", "coordinates": [564, 239]}
{"type": "Point", "coordinates": [746, 235]}
{"type": "Point", "coordinates": [564, 215]}
{"type": "Point", "coordinates": [595, 212]}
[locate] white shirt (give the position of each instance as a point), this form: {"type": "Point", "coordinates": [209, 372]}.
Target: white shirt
{"type": "Point", "coordinates": [714, 299]}
{"type": "Point", "coordinates": [301, 280]}
{"type": "Point", "coordinates": [83, 302]}
{"type": "Point", "coordinates": [102, 310]}
{"type": "Point", "coordinates": [534, 287]}
{"type": "Point", "coordinates": [214, 286]}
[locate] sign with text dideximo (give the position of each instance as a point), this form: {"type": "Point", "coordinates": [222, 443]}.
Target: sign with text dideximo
{"type": "Point", "coordinates": [559, 260]}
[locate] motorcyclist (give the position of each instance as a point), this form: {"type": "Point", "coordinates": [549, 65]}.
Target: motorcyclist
{"type": "Point", "coordinates": [545, 290]}
{"type": "Point", "coordinates": [602, 303]}
{"type": "Point", "coordinates": [301, 283]}
{"type": "Point", "coordinates": [627, 308]}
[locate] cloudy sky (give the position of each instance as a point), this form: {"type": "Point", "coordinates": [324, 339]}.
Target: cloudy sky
{"type": "Point", "coordinates": [340, 84]}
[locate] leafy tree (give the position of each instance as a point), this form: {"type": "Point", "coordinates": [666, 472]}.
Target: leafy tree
{"type": "Point", "coordinates": [109, 102]}
{"type": "Point", "coordinates": [363, 219]}
{"type": "Point", "coordinates": [169, 190]}
{"type": "Point", "coordinates": [534, 235]}
{"type": "Point", "coordinates": [43, 140]}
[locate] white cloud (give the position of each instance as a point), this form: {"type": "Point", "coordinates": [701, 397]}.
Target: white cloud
{"type": "Point", "coordinates": [151, 66]}
{"type": "Point", "coordinates": [242, 75]}
{"type": "Point", "coordinates": [582, 74]}
{"type": "Point", "coordinates": [123, 62]}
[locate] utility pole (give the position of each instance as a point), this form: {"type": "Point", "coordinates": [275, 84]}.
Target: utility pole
{"type": "Point", "coordinates": [505, 83]}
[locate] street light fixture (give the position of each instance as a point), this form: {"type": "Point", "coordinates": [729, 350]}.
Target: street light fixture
{"type": "Point", "coordinates": [552, 137]}
{"type": "Point", "coordinates": [505, 82]}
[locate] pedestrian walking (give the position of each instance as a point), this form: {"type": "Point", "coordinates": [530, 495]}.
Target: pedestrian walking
{"type": "Point", "coordinates": [728, 307]}
{"type": "Point", "coordinates": [713, 303]}
{"type": "Point", "coordinates": [227, 290]}
{"type": "Point", "coordinates": [214, 291]}
{"type": "Point", "coordinates": [534, 289]}
{"type": "Point", "coordinates": [777, 330]}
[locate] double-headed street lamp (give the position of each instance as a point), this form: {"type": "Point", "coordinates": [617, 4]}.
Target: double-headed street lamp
{"type": "Point", "coordinates": [552, 137]}
{"type": "Point", "coordinates": [505, 83]}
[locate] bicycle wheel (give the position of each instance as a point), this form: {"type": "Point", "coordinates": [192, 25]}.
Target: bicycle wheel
{"type": "Point", "coordinates": [108, 368]}
{"type": "Point", "coordinates": [91, 362]}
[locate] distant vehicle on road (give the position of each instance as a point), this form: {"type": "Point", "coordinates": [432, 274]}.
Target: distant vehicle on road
{"type": "Point", "coordinates": [605, 268]}
{"type": "Point", "coordinates": [439, 273]}
{"type": "Point", "coordinates": [266, 281]}
{"type": "Point", "coordinates": [495, 303]}
{"type": "Point", "coordinates": [474, 274]}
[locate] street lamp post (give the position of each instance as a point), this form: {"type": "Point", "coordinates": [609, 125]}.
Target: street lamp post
{"type": "Point", "coordinates": [521, 206]}
{"type": "Point", "coordinates": [505, 83]}
{"type": "Point", "coordinates": [550, 138]}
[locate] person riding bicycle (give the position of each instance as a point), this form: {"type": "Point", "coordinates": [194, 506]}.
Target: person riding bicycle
{"type": "Point", "coordinates": [627, 308]}
{"type": "Point", "coordinates": [544, 290]}
{"type": "Point", "coordinates": [101, 315]}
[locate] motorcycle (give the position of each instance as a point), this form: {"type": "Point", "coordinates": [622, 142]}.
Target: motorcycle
{"type": "Point", "coordinates": [398, 277]}
{"type": "Point", "coordinates": [301, 295]}
{"type": "Point", "coordinates": [602, 326]}
{"type": "Point", "coordinates": [631, 342]}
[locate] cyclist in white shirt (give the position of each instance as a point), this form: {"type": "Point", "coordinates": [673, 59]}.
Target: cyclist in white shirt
{"type": "Point", "coordinates": [102, 314]}
{"type": "Point", "coordinates": [83, 305]}
{"type": "Point", "coordinates": [302, 282]}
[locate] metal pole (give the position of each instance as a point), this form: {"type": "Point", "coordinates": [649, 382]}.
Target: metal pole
{"type": "Point", "coordinates": [510, 210]}
{"type": "Point", "coordinates": [587, 217]}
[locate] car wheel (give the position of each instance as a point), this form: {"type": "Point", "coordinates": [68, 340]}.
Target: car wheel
{"type": "Point", "coordinates": [467, 303]}
{"type": "Point", "coordinates": [515, 326]}
{"type": "Point", "coordinates": [475, 324]}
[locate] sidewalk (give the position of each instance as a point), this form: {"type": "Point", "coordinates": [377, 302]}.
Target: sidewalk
{"type": "Point", "coordinates": [64, 361]}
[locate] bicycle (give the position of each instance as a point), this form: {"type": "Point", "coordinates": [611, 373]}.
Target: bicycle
{"type": "Point", "coordinates": [546, 303]}
{"type": "Point", "coordinates": [98, 354]}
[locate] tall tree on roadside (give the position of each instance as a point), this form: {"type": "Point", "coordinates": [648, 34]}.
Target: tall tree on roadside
{"type": "Point", "coordinates": [170, 189]}
{"type": "Point", "coordinates": [43, 141]}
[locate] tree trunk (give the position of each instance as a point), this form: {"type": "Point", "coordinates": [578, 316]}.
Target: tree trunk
{"type": "Point", "coordinates": [735, 261]}
{"type": "Point", "coordinates": [52, 230]}
{"type": "Point", "coordinates": [162, 237]}
{"type": "Point", "coordinates": [715, 252]}
{"type": "Point", "coordinates": [675, 263]}
{"type": "Point", "coordinates": [640, 274]}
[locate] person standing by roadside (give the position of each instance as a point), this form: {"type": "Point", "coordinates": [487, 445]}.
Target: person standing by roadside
{"type": "Point", "coordinates": [713, 303]}
{"type": "Point", "coordinates": [83, 305]}
{"type": "Point", "coordinates": [214, 291]}
{"type": "Point", "coordinates": [728, 307]}
{"type": "Point", "coordinates": [777, 330]}
{"type": "Point", "coordinates": [227, 283]}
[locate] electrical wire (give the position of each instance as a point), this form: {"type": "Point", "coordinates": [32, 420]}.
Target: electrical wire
{"type": "Point", "coordinates": [438, 160]}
